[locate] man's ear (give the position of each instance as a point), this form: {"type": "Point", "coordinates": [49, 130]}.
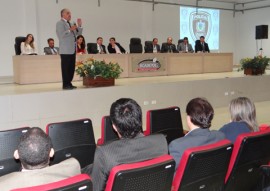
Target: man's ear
{"type": "Point", "coordinates": [16, 154]}
{"type": "Point", "coordinates": [51, 152]}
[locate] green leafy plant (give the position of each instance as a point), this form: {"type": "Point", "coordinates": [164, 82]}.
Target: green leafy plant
{"type": "Point", "coordinates": [94, 68]}
{"type": "Point", "coordinates": [256, 63]}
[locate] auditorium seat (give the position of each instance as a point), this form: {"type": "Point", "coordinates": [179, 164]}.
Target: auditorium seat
{"type": "Point", "coordinates": [265, 184]}
{"type": "Point", "coordinates": [251, 150]}
{"type": "Point", "coordinates": [135, 45]}
{"type": "Point", "coordinates": [180, 41]}
{"type": "Point", "coordinates": [9, 141]}
{"type": "Point", "coordinates": [166, 121]}
{"type": "Point", "coordinates": [89, 48]}
{"type": "Point", "coordinates": [151, 175]}
{"type": "Point", "coordinates": [17, 45]}
{"type": "Point", "coordinates": [203, 167]}
{"type": "Point", "coordinates": [73, 139]}
{"type": "Point", "coordinates": [148, 46]}
{"type": "Point", "coordinates": [81, 182]}
{"type": "Point", "coordinates": [107, 132]}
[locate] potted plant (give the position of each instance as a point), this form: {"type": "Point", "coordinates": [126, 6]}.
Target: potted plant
{"type": "Point", "coordinates": [98, 73]}
{"type": "Point", "coordinates": [254, 66]}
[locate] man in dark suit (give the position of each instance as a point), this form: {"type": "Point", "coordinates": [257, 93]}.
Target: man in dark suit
{"type": "Point", "coordinates": [133, 146]}
{"type": "Point", "coordinates": [51, 49]}
{"type": "Point", "coordinates": [153, 48]}
{"type": "Point", "coordinates": [34, 152]}
{"type": "Point", "coordinates": [115, 47]}
{"type": "Point", "coordinates": [201, 45]}
{"type": "Point", "coordinates": [98, 48]}
{"type": "Point", "coordinates": [199, 116]}
{"type": "Point", "coordinates": [66, 33]}
{"type": "Point", "coordinates": [169, 46]}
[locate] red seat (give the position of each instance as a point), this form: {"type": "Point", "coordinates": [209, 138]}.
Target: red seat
{"type": "Point", "coordinates": [203, 167]}
{"type": "Point", "coordinates": [80, 182]}
{"type": "Point", "coordinates": [151, 175]}
{"type": "Point", "coordinates": [251, 150]}
{"type": "Point", "coordinates": [263, 127]}
{"type": "Point", "coordinates": [107, 132]}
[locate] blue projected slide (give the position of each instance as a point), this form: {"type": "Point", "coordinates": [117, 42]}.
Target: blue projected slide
{"type": "Point", "coordinates": [200, 22]}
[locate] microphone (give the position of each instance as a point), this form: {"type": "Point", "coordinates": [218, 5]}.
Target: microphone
{"type": "Point", "coordinates": [75, 25]}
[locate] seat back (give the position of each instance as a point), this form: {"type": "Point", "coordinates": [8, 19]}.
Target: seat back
{"type": "Point", "coordinates": [180, 41]}
{"type": "Point", "coordinates": [90, 48]}
{"type": "Point", "coordinates": [203, 167]}
{"type": "Point", "coordinates": [251, 150]}
{"type": "Point", "coordinates": [9, 141]}
{"type": "Point", "coordinates": [107, 132]}
{"type": "Point", "coordinates": [151, 175]}
{"type": "Point", "coordinates": [166, 121]}
{"type": "Point", "coordinates": [135, 45]}
{"type": "Point", "coordinates": [17, 45]}
{"type": "Point", "coordinates": [73, 139]}
{"type": "Point", "coordinates": [81, 182]}
{"type": "Point", "coordinates": [148, 46]}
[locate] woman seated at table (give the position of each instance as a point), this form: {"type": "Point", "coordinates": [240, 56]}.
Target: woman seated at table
{"type": "Point", "coordinates": [115, 48]}
{"type": "Point", "coordinates": [243, 118]}
{"type": "Point", "coordinates": [80, 45]}
{"type": "Point", "coordinates": [28, 46]}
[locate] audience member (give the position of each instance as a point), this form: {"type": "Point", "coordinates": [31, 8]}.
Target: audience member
{"type": "Point", "coordinates": [98, 48]}
{"type": "Point", "coordinates": [154, 48]}
{"type": "Point", "coordinates": [243, 118]}
{"type": "Point", "coordinates": [201, 45]}
{"type": "Point", "coordinates": [185, 47]}
{"type": "Point", "coordinates": [80, 45]}
{"type": "Point", "coordinates": [51, 49]}
{"type": "Point", "coordinates": [199, 116]}
{"type": "Point", "coordinates": [133, 146]}
{"type": "Point", "coordinates": [34, 152]}
{"type": "Point", "coordinates": [169, 46]}
{"type": "Point", "coordinates": [115, 47]}
{"type": "Point", "coordinates": [28, 46]}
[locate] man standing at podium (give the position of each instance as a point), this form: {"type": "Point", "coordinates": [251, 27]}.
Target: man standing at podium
{"type": "Point", "coordinates": [66, 33]}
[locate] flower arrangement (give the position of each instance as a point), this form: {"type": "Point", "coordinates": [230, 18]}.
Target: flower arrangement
{"type": "Point", "coordinates": [257, 64]}
{"type": "Point", "coordinates": [94, 68]}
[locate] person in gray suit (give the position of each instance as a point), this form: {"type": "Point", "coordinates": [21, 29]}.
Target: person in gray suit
{"type": "Point", "coordinates": [199, 116]}
{"type": "Point", "coordinates": [133, 146]}
{"type": "Point", "coordinates": [67, 33]}
{"type": "Point", "coordinates": [34, 152]}
{"type": "Point", "coordinates": [51, 49]}
{"type": "Point", "coordinates": [184, 46]}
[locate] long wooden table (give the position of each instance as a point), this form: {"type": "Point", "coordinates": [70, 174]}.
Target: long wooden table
{"type": "Point", "coordinates": [47, 68]}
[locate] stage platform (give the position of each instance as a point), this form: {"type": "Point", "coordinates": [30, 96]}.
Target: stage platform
{"type": "Point", "coordinates": [40, 104]}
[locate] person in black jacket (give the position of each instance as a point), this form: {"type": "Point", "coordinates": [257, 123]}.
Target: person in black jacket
{"type": "Point", "coordinates": [115, 47]}
{"type": "Point", "coordinates": [169, 46]}
{"type": "Point", "coordinates": [201, 45]}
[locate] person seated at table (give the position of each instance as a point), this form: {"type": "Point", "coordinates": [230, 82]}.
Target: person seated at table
{"type": "Point", "coordinates": [133, 146]}
{"type": "Point", "coordinates": [115, 47]}
{"type": "Point", "coordinates": [184, 46]}
{"type": "Point", "coordinates": [169, 46]}
{"type": "Point", "coordinates": [154, 47]}
{"type": "Point", "coordinates": [98, 48]}
{"type": "Point", "coordinates": [199, 117]}
{"type": "Point", "coordinates": [243, 118]}
{"type": "Point", "coordinates": [34, 152]}
{"type": "Point", "coordinates": [80, 45]}
{"type": "Point", "coordinates": [51, 49]}
{"type": "Point", "coordinates": [201, 45]}
{"type": "Point", "coordinates": [28, 47]}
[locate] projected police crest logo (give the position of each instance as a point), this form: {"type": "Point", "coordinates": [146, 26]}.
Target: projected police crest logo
{"type": "Point", "coordinates": [200, 24]}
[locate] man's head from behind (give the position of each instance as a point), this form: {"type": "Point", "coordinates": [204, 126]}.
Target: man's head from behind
{"type": "Point", "coordinates": [34, 149]}
{"type": "Point", "coordinates": [126, 116]}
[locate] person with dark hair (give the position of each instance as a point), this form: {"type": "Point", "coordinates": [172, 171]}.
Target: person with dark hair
{"type": "Point", "coordinates": [184, 46]}
{"type": "Point", "coordinates": [169, 47]}
{"type": "Point", "coordinates": [98, 48]}
{"type": "Point", "coordinates": [34, 152]}
{"type": "Point", "coordinates": [115, 47]}
{"type": "Point", "coordinates": [199, 117]}
{"type": "Point", "coordinates": [154, 47]}
{"type": "Point", "coordinates": [133, 146]}
{"type": "Point", "coordinates": [80, 45]}
{"type": "Point", "coordinates": [51, 50]}
{"type": "Point", "coordinates": [28, 47]}
{"type": "Point", "coordinates": [201, 45]}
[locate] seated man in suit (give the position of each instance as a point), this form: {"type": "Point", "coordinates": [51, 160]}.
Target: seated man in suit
{"type": "Point", "coordinates": [199, 116]}
{"type": "Point", "coordinates": [51, 49]}
{"type": "Point", "coordinates": [154, 48]}
{"type": "Point", "coordinates": [185, 47]}
{"type": "Point", "coordinates": [201, 45]}
{"type": "Point", "coordinates": [169, 46]}
{"type": "Point", "coordinates": [98, 48]}
{"type": "Point", "coordinates": [34, 152]}
{"type": "Point", "coordinates": [133, 146]}
{"type": "Point", "coordinates": [115, 47]}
